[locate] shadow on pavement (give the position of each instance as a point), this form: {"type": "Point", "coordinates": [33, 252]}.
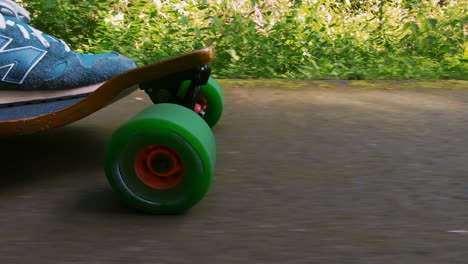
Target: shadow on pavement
{"type": "Point", "coordinates": [46, 156]}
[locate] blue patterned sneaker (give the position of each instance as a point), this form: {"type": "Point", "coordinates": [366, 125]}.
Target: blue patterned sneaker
{"type": "Point", "coordinates": [41, 64]}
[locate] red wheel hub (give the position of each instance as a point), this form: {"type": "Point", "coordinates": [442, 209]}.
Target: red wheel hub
{"type": "Point", "coordinates": [203, 102]}
{"type": "Point", "coordinates": [201, 105]}
{"type": "Point", "coordinates": [158, 167]}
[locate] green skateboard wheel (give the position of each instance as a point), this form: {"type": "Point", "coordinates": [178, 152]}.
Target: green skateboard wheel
{"type": "Point", "coordinates": [162, 160]}
{"type": "Point", "coordinates": [211, 100]}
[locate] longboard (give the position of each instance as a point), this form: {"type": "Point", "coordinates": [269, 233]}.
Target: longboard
{"type": "Point", "coordinates": [161, 161]}
{"type": "Point", "coordinates": [19, 118]}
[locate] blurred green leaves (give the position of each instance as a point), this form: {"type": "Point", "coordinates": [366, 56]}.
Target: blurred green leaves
{"type": "Point", "coordinates": [320, 39]}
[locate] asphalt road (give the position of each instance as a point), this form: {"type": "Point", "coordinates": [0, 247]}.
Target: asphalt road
{"type": "Point", "coordinates": [311, 174]}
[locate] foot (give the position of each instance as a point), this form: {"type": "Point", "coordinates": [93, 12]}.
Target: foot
{"type": "Point", "coordinates": [35, 62]}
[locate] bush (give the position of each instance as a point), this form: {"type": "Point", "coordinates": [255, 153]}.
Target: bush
{"type": "Point", "coordinates": [318, 39]}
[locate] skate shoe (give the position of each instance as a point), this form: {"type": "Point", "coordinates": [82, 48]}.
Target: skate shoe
{"type": "Point", "coordinates": [34, 65]}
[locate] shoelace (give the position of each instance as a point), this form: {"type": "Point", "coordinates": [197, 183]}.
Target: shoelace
{"type": "Point", "coordinates": [35, 32]}
{"type": "Point", "coordinates": [10, 8]}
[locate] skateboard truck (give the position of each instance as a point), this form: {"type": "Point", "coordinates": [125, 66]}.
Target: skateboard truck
{"type": "Point", "coordinates": [166, 90]}
{"type": "Point", "coordinates": [193, 92]}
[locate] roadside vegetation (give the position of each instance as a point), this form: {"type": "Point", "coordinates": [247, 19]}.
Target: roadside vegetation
{"type": "Point", "coordinates": [309, 39]}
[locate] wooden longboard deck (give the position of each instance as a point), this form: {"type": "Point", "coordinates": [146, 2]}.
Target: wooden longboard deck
{"type": "Point", "coordinates": [28, 119]}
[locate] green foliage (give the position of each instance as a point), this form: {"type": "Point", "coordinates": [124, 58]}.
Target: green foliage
{"type": "Point", "coordinates": [318, 39]}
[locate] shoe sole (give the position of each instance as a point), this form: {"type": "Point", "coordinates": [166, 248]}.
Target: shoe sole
{"type": "Point", "coordinates": [14, 98]}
